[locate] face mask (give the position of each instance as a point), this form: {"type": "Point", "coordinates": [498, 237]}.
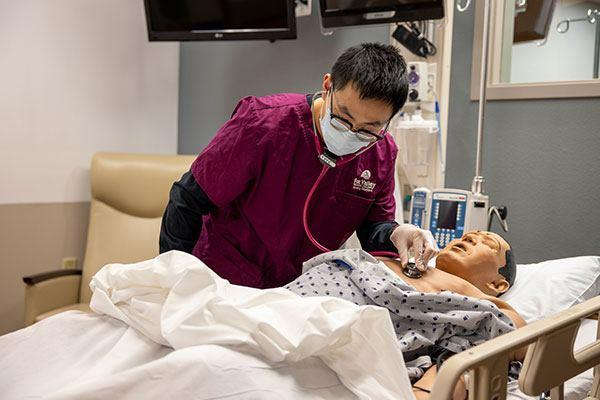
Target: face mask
{"type": "Point", "coordinates": [339, 139]}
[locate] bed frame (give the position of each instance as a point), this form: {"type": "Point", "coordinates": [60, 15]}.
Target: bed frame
{"type": "Point", "coordinates": [550, 359]}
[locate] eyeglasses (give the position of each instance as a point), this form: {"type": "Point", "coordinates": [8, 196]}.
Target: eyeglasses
{"type": "Point", "coordinates": [362, 134]}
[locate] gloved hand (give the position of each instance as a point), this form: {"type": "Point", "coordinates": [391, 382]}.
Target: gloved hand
{"type": "Point", "coordinates": [424, 247]}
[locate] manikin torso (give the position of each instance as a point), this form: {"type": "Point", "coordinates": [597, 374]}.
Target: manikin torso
{"type": "Point", "coordinates": [435, 280]}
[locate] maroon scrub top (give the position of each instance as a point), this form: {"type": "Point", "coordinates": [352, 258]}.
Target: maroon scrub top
{"type": "Point", "coordinates": [258, 170]}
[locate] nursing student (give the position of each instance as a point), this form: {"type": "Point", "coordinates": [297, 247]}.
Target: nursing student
{"type": "Point", "coordinates": [242, 208]}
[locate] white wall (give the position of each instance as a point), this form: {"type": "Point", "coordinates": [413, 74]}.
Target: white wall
{"type": "Point", "coordinates": [77, 77]}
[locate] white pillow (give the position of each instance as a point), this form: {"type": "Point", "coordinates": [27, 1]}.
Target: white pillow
{"type": "Point", "coordinates": [548, 287]}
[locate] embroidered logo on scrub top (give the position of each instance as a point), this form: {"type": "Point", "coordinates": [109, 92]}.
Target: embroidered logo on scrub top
{"type": "Point", "coordinates": [363, 183]}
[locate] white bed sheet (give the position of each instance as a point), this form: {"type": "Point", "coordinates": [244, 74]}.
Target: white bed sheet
{"type": "Point", "coordinates": [176, 300]}
{"type": "Point", "coordinates": [71, 362]}
{"type": "Point", "coordinates": [75, 355]}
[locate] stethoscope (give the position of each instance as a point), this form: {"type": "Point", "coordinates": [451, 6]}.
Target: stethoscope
{"type": "Point", "coordinates": [330, 160]}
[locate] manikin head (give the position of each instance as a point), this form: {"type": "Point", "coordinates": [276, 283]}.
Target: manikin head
{"type": "Point", "coordinates": [482, 258]}
{"type": "Point", "coordinates": [369, 84]}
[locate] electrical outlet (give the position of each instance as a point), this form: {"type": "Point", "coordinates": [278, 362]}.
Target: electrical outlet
{"type": "Point", "coordinates": [69, 263]}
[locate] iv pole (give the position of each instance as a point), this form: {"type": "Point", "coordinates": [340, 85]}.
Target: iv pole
{"type": "Point", "coordinates": [478, 179]}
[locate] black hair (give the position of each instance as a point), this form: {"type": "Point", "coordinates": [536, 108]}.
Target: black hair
{"type": "Point", "coordinates": [509, 270]}
{"type": "Point", "coordinates": [378, 71]}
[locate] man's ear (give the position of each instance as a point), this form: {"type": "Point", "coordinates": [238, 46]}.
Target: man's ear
{"type": "Point", "coordinates": [326, 82]}
{"type": "Point", "coordinates": [499, 286]}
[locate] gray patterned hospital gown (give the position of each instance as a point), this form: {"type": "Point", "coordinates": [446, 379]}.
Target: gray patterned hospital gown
{"type": "Point", "coordinates": [423, 321]}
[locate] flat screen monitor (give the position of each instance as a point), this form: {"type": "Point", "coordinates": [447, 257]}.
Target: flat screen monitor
{"type": "Point", "coordinates": [340, 13]}
{"type": "Point", "coordinates": [186, 20]}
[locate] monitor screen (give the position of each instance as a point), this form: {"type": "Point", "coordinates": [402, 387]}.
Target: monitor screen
{"type": "Point", "coordinates": [372, 5]}
{"type": "Point", "coordinates": [447, 214]}
{"type": "Point", "coordinates": [220, 19]}
{"type": "Point", "coordinates": [338, 13]}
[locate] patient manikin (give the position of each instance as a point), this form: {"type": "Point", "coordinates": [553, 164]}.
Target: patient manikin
{"type": "Point", "coordinates": [450, 308]}
{"type": "Point", "coordinates": [480, 264]}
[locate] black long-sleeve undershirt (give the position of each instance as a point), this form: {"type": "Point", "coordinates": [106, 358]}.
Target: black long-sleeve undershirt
{"type": "Point", "coordinates": [375, 236]}
{"type": "Point", "coordinates": [182, 220]}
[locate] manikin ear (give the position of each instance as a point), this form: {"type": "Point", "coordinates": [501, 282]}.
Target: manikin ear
{"type": "Point", "coordinates": [498, 286]}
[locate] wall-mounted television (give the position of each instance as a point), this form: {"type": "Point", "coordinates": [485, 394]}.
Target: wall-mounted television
{"type": "Point", "coordinates": [341, 13]}
{"type": "Point", "coordinates": [186, 20]}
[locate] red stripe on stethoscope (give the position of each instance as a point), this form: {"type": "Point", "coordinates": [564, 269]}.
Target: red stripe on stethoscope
{"type": "Point", "coordinates": [343, 160]}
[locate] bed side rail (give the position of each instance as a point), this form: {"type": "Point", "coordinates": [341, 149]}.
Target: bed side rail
{"type": "Point", "coordinates": [549, 362]}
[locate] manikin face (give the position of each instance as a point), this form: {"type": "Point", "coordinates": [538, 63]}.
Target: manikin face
{"type": "Point", "coordinates": [476, 258]}
{"type": "Point", "coordinates": [369, 114]}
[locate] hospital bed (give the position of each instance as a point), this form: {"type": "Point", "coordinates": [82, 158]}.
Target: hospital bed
{"type": "Point", "coordinates": [561, 346]}
{"type": "Point", "coordinates": [551, 359]}
{"type": "Point", "coordinates": [123, 189]}
{"type": "Point", "coordinates": [571, 285]}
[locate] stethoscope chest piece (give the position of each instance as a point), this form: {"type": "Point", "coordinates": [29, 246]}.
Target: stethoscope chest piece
{"type": "Point", "coordinates": [412, 271]}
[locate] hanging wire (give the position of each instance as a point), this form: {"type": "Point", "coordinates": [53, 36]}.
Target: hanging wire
{"type": "Point", "coordinates": [429, 48]}
{"type": "Point", "coordinates": [426, 47]}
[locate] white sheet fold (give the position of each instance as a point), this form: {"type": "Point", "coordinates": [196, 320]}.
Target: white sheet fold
{"type": "Point", "coordinates": [178, 301]}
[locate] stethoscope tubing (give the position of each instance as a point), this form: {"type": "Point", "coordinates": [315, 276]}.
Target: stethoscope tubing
{"type": "Point", "coordinates": [343, 160]}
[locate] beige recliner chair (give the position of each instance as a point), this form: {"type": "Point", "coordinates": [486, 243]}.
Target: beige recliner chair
{"type": "Point", "coordinates": [129, 195]}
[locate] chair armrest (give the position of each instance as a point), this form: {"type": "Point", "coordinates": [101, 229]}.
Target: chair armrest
{"type": "Point", "coordinates": [50, 290]}
{"type": "Point", "coordinates": [44, 276]}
